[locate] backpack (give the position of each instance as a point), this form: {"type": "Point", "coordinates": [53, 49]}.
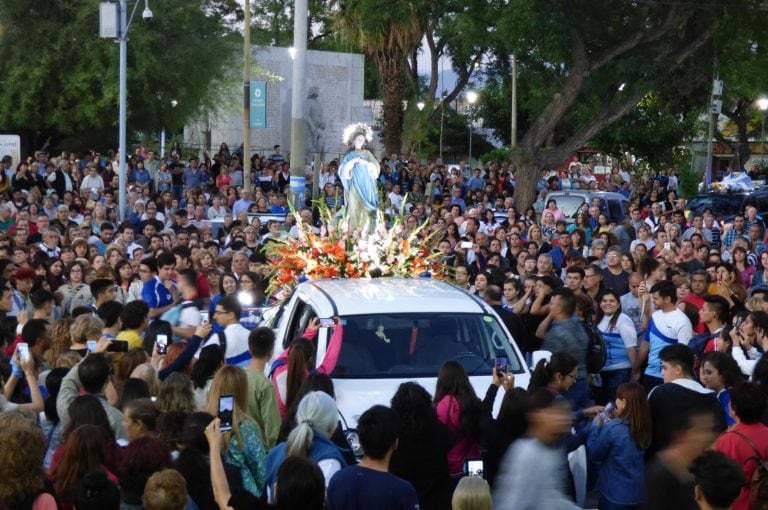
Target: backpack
{"type": "Point", "coordinates": [758, 485]}
{"type": "Point", "coordinates": [173, 315]}
{"type": "Point", "coordinates": [597, 351]}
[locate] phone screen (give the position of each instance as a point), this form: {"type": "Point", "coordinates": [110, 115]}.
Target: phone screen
{"type": "Point", "coordinates": [91, 344]}
{"type": "Point", "coordinates": [502, 365]}
{"type": "Point", "coordinates": [467, 245]}
{"type": "Point", "coordinates": [162, 344]}
{"type": "Point", "coordinates": [326, 323]}
{"type": "Point", "coordinates": [23, 349]}
{"type": "Point", "coordinates": [473, 467]}
{"type": "Point", "coordinates": [204, 317]}
{"type": "Point", "coordinates": [226, 406]}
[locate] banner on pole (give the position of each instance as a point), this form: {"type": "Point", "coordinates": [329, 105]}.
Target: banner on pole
{"type": "Point", "coordinates": [258, 104]}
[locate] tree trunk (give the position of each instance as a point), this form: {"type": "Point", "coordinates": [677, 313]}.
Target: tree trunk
{"type": "Point", "coordinates": [392, 87]}
{"type": "Point", "coordinates": [525, 179]}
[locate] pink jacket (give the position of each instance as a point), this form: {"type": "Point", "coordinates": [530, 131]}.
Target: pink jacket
{"type": "Point", "coordinates": [449, 413]}
{"type": "Point", "coordinates": [326, 367]}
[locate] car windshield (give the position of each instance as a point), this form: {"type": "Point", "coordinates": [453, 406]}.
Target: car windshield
{"type": "Point", "coordinates": [417, 344]}
{"type": "Point", "coordinates": [569, 204]}
{"type": "Point", "coordinates": [721, 205]}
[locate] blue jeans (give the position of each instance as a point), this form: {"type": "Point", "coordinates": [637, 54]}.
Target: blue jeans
{"type": "Point", "coordinates": [605, 504]}
{"type": "Point", "coordinates": [612, 379]}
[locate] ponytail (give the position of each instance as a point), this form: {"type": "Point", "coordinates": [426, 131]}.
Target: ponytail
{"type": "Point", "coordinates": [317, 413]}
{"type": "Point", "coordinates": [299, 356]}
{"type": "Point", "coordinates": [544, 372]}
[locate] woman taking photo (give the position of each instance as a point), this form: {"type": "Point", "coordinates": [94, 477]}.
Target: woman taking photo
{"type": "Point", "coordinates": [242, 446]}
{"type": "Point", "coordinates": [296, 363]}
{"type": "Point", "coordinates": [621, 341]}
{"type": "Point", "coordinates": [458, 408]}
{"type": "Point", "coordinates": [619, 444]}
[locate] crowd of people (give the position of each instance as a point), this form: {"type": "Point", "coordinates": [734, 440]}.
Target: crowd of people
{"type": "Point", "coordinates": [135, 376]}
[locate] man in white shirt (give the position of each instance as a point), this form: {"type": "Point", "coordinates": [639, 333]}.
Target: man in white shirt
{"type": "Point", "coordinates": [92, 180]}
{"type": "Point", "coordinates": [396, 198]}
{"type": "Point", "coordinates": [235, 336]}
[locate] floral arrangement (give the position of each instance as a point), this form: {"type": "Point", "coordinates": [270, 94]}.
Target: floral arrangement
{"type": "Point", "coordinates": [334, 253]}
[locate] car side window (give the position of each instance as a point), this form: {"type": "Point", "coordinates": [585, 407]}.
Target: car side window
{"type": "Point", "coordinates": [762, 204]}
{"type": "Point", "coordinates": [302, 314]}
{"type": "Point", "coordinates": [614, 210]}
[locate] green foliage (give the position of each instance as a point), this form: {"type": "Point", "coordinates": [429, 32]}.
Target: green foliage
{"type": "Point", "coordinates": [497, 155]}
{"type": "Point", "coordinates": [689, 178]}
{"type": "Point", "coordinates": [650, 132]}
{"type": "Point", "coordinates": [61, 79]}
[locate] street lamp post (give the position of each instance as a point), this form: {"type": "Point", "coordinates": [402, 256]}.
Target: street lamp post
{"type": "Point", "coordinates": [762, 103]}
{"type": "Point", "coordinates": [125, 25]}
{"type": "Point", "coordinates": [471, 99]}
{"type": "Point", "coordinates": [420, 105]}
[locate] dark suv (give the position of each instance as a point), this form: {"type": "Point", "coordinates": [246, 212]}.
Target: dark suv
{"type": "Point", "coordinates": [727, 205]}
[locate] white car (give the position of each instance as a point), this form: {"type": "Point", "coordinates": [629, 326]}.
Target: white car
{"type": "Point", "coordinates": [398, 330]}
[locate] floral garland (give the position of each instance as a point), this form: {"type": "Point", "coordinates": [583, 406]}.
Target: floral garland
{"type": "Point", "coordinates": [333, 253]}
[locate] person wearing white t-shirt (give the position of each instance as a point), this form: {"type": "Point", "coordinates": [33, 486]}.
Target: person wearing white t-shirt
{"type": "Point", "coordinates": [189, 317]}
{"type": "Point", "coordinates": [235, 336]}
{"type": "Point", "coordinates": [668, 325]}
{"type": "Point", "coordinates": [620, 336]}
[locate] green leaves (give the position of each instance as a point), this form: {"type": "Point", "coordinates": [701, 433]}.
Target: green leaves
{"type": "Point", "coordinates": [59, 77]}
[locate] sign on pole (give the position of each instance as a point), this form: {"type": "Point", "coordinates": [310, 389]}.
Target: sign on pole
{"type": "Point", "coordinates": [10, 145]}
{"type": "Point", "coordinates": [258, 104]}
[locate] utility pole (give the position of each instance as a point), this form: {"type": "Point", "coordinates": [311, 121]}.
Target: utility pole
{"type": "Point", "coordinates": [247, 98]}
{"type": "Point", "coordinates": [513, 127]}
{"type": "Point", "coordinates": [298, 101]}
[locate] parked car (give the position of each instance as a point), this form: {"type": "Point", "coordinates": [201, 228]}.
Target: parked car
{"type": "Point", "coordinates": [398, 330]}
{"type": "Point", "coordinates": [726, 205]}
{"type": "Point", "coordinates": [615, 205]}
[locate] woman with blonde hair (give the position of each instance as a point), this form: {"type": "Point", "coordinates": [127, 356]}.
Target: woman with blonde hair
{"type": "Point", "coordinates": [85, 327]}
{"type": "Point", "coordinates": [60, 340]}
{"type": "Point", "coordinates": [242, 446]}
{"type": "Point", "coordinates": [472, 493]}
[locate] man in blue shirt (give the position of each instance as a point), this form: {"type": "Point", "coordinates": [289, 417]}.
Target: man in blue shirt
{"type": "Point", "coordinates": [369, 485]}
{"type": "Point", "coordinates": [192, 174]}
{"type": "Point", "coordinates": [242, 204]}
{"type": "Point", "coordinates": [281, 207]}
{"type": "Point", "coordinates": [159, 292]}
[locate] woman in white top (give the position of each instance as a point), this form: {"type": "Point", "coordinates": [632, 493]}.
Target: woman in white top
{"type": "Point", "coordinates": [620, 340]}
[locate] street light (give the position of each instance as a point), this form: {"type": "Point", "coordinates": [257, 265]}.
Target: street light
{"type": "Point", "coordinates": [108, 10]}
{"type": "Point", "coordinates": [762, 103]}
{"type": "Point", "coordinates": [471, 99]}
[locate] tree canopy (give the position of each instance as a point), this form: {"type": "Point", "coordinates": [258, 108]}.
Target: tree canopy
{"type": "Point", "coordinates": [60, 79]}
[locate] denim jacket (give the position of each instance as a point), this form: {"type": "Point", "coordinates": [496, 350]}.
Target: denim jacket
{"type": "Point", "coordinates": [622, 478]}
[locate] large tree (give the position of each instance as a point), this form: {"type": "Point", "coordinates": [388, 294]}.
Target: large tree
{"type": "Point", "coordinates": [59, 79]}
{"type": "Point", "coordinates": [388, 32]}
{"type": "Point", "coordinates": [591, 62]}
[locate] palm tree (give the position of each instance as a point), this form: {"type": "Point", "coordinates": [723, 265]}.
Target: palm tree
{"type": "Point", "coordinates": [387, 31]}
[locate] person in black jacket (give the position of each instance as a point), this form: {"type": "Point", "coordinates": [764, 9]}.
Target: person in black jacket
{"type": "Point", "coordinates": [680, 396]}
{"type": "Point", "coordinates": [498, 433]}
{"type": "Point", "coordinates": [422, 453]}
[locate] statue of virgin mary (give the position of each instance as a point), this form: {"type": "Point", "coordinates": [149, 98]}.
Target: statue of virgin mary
{"type": "Point", "coordinates": [358, 172]}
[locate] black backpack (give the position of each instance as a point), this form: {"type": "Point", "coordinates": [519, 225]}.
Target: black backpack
{"type": "Point", "coordinates": [597, 351]}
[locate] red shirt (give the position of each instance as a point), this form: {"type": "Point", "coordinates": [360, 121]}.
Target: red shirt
{"type": "Point", "coordinates": [735, 447]}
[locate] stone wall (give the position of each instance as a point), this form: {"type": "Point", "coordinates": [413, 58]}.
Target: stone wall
{"type": "Point", "coordinates": [335, 86]}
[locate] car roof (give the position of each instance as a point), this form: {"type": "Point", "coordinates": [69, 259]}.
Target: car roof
{"type": "Point", "coordinates": [352, 296]}
{"type": "Point", "coordinates": [586, 192]}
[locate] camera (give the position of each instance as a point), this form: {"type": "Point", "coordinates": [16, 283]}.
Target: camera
{"type": "Point", "coordinates": [147, 14]}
